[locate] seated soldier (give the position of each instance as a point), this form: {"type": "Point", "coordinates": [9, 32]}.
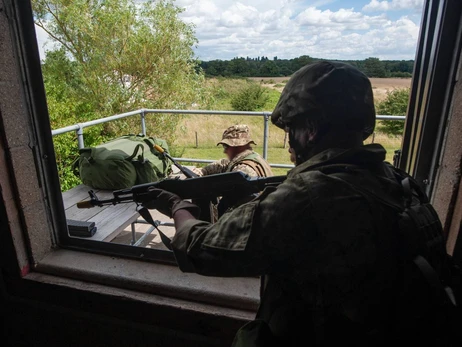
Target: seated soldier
{"type": "Point", "coordinates": [236, 142]}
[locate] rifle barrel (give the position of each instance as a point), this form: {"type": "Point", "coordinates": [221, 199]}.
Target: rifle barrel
{"type": "Point", "coordinates": [188, 173]}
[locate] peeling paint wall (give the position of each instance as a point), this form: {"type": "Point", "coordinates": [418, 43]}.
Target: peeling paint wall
{"type": "Point", "coordinates": [448, 184]}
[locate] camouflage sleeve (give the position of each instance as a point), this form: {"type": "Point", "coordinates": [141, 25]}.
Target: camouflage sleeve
{"type": "Point", "coordinates": [216, 167]}
{"type": "Point", "coordinates": [245, 169]}
{"type": "Point", "coordinates": [246, 240]}
{"type": "Point", "coordinates": [197, 171]}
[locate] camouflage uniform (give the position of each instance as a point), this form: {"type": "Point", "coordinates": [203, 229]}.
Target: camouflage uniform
{"type": "Point", "coordinates": [322, 265]}
{"type": "Point", "coordinates": [248, 161]}
{"type": "Point", "coordinates": [325, 250]}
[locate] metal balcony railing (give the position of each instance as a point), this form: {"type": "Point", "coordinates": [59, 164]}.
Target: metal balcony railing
{"type": "Point", "coordinates": [78, 128]}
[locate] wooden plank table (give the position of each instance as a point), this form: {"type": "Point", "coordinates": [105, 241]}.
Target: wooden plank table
{"type": "Point", "coordinates": [110, 220]}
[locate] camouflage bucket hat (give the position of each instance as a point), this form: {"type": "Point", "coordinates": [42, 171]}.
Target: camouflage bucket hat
{"type": "Point", "coordinates": [334, 92]}
{"type": "Point", "coordinates": [236, 135]}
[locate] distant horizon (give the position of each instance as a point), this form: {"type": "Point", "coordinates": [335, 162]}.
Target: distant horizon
{"type": "Point", "coordinates": [318, 58]}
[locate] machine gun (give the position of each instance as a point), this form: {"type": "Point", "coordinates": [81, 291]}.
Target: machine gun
{"type": "Point", "coordinates": [236, 184]}
{"type": "Point", "coordinates": [200, 189]}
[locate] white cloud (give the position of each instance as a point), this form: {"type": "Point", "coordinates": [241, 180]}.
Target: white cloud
{"type": "Point", "coordinates": [290, 28]}
{"type": "Point", "coordinates": [342, 19]}
{"type": "Point", "coordinates": [376, 5]}
{"type": "Point", "coordinates": [287, 29]}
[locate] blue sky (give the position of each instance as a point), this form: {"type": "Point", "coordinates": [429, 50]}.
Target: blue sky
{"type": "Point", "coordinates": [331, 29]}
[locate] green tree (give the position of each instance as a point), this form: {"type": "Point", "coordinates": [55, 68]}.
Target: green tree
{"type": "Point", "coordinates": [130, 55]}
{"type": "Point", "coordinates": [238, 67]}
{"type": "Point", "coordinates": [250, 98]}
{"type": "Point", "coordinates": [64, 85]}
{"type": "Point", "coordinates": [269, 69]}
{"type": "Point", "coordinates": [395, 104]}
{"type": "Point", "coordinates": [373, 67]}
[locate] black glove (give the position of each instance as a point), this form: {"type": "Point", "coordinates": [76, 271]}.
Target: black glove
{"type": "Point", "coordinates": [168, 203]}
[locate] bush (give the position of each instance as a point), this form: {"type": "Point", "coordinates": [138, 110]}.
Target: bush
{"type": "Point", "coordinates": [395, 104]}
{"type": "Point", "coordinates": [249, 98]}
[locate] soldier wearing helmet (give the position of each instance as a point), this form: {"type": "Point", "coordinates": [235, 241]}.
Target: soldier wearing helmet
{"type": "Point", "coordinates": [323, 249]}
{"type": "Point", "coordinates": [236, 142]}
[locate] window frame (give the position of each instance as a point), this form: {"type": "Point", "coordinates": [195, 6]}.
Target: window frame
{"type": "Point", "coordinates": [48, 250]}
{"type": "Point", "coordinates": [36, 97]}
{"type": "Point", "coordinates": [431, 91]}
{"type": "Point", "coordinates": [425, 126]}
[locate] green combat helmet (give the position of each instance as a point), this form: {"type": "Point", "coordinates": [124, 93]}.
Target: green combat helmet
{"type": "Point", "coordinates": [329, 91]}
{"type": "Point", "coordinates": [236, 135]}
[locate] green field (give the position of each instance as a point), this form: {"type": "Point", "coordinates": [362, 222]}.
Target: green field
{"type": "Point", "coordinates": [197, 135]}
{"type": "Point", "coordinates": [276, 153]}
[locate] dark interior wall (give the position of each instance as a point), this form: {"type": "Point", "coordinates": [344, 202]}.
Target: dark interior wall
{"type": "Point", "coordinates": [29, 325]}
{"type": "Point", "coordinates": [110, 322]}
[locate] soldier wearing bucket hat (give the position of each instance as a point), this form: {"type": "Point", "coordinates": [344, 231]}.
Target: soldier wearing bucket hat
{"type": "Point", "coordinates": [324, 250]}
{"type": "Point", "coordinates": [236, 142]}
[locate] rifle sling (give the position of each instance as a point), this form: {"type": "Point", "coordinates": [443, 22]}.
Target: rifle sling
{"type": "Point", "coordinates": [144, 212]}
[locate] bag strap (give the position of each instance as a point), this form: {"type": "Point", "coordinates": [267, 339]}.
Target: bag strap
{"type": "Point", "coordinates": [135, 153]}
{"type": "Point", "coordinates": [339, 171]}
{"type": "Point", "coordinates": [433, 279]}
{"type": "Point", "coordinates": [409, 184]}
{"type": "Point", "coordinates": [75, 167]}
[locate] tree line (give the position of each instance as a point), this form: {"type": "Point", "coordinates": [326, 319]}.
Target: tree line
{"type": "Point", "coordinates": [265, 67]}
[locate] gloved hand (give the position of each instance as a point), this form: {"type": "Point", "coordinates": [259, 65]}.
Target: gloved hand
{"type": "Point", "coordinates": [168, 203]}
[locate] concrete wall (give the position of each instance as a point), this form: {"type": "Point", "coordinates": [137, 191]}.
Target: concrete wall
{"type": "Point", "coordinates": [448, 194]}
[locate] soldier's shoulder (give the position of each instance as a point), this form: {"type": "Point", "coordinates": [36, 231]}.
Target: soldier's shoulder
{"type": "Point", "coordinates": [242, 167]}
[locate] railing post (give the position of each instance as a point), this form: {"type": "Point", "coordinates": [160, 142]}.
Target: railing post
{"type": "Point", "coordinates": [143, 122]}
{"type": "Point", "coordinates": [79, 133]}
{"type": "Point", "coordinates": [265, 135]}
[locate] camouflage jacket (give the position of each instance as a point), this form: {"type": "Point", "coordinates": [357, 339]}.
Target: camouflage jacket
{"type": "Point", "coordinates": [239, 163]}
{"type": "Point", "coordinates": [318, 241]}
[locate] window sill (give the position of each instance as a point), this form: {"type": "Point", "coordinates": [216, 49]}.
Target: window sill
{"type": "Point", "coordinates": [151, 278]}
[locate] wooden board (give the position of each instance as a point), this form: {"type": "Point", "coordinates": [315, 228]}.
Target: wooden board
{"type": "Point", "coordinates": [109, 220]}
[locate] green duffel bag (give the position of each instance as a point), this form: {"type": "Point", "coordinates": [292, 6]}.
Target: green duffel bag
{"type": "Point", "coordinates": [122, 163]}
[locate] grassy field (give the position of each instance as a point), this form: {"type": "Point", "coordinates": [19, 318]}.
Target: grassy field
{"type": "Point", "coordinates": [380, 86]}
{"type": "Point", "coordinates": [276, 152]}
{"type": "Point", "coordinates": [197, 135]}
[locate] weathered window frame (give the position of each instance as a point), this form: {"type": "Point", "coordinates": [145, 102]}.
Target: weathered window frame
{"type": "Point", "coordinates": [434, 77]}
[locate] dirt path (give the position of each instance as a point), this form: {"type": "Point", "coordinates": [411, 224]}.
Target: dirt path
{"type": "Point", "coordinates": [380, 86]}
